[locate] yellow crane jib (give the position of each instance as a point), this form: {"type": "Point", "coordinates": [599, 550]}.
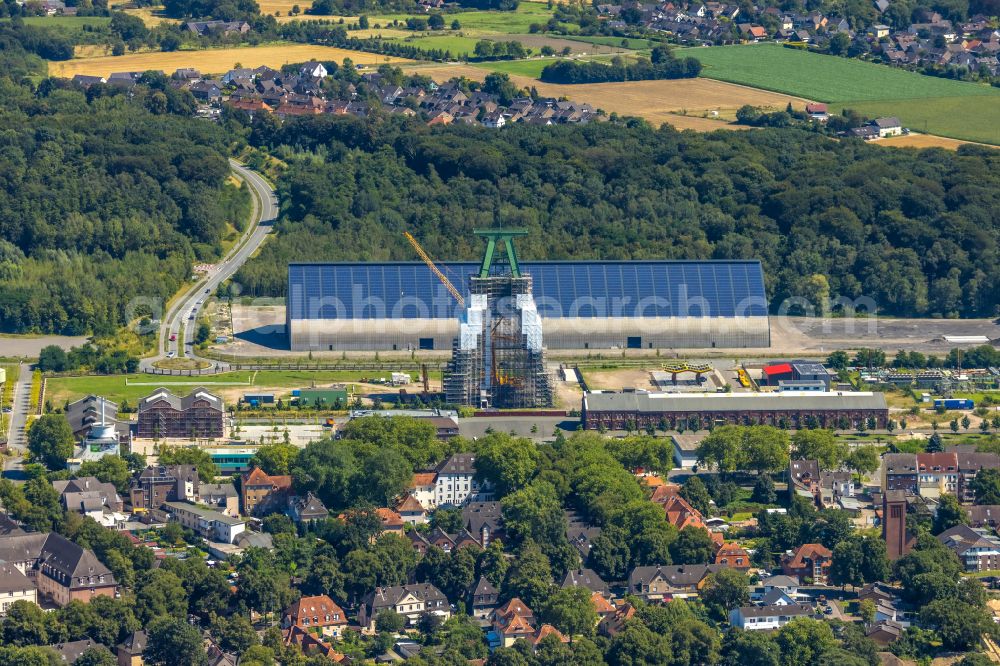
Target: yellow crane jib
{"type": "Point", "coordinates": [430, 264]}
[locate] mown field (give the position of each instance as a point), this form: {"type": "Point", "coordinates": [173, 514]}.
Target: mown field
{"type": "Point", "coordinates": [821, 77]}
{"type": "Point", "coordinates": [134, 387]}
{"type": "Point", "coordinates": [969, 118]}
{"type": "Point", "coordinates": [215, 61]}
{"type": "Point", "coordinates": [530, 68]}
{"type": "Point", "coordinates": [940, 106]}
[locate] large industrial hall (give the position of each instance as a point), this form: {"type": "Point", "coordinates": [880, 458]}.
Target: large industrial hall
{"type": "Point", "coordinates": [643, 304]}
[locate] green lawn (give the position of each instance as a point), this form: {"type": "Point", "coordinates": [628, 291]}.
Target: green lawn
{"type": "Point", "coordinates": [822, 77]}
{"type": "Point", "coordinates": [974, 118]}
{"type": "Point", "coordinates": [633, 43]}
{"type": "Point", "coordinates": [457, 45]}
{"type": "Point", "coordinates": [487, 21]}
{"type": "Point", "coordinates": [61, 389]}
{"type": "Point", "coordinates": [956, 109]}
{"type": "Point", "coordinates": [66, 22]}
{"type": "Point", "coordinates": [532, 68]}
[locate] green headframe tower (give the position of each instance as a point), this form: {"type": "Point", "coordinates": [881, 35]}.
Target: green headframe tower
{"type": "Point", "coordinates": [498, 360]}
{"type": "Point", "coordinates": [504, 238]}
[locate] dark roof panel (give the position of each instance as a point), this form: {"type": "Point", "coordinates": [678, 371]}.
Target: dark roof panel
{"type": "Point", "coordinates": [588, 289]}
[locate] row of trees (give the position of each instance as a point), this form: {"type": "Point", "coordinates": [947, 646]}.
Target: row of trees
{"type": "Point", "coordinates": [662, 66]}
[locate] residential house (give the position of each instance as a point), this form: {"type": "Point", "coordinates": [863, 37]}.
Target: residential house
{"type": "Point", "coordinates": [306, 509]}
{"type": "Point", "coordinates": [62, 570]}
{"type": "Point", "coordinates": [734, 556]}
{"type": "Point", "coordinates": [817, 111]}
{"type": "Point", "coordinates": [810, 560]}
{"type": "Point", "coordinates": [984, 515]}
{"type": "Point", "coordinates": [971, 462]}
{"type": "Point", "coordinates": [512, 621]}
{"type": "Point", "coordinates": [580, 534]}
{"type": "Point", "coordinates": [317, 614]}
{"type": "Point", "coordinates": [163, 414]}
{"type": "Point", "coordinates": [483, 520]}
{"type": "Point", "coordinates": [202, 28]}
{"type": "Point", "coordinates": [411, 511]}
{"type": "Point", "coordinates": [977, 549]}
{"type": "Point", "coordinates": [89, 497]}
{"type": "Point", "coordinates": [886, 632]}
{"type": "Point", "coordinates": [220, 496]}
{"type": "Point", "coordinates": [261, 493]}
{"type": "Point", "coordinates": [899, 472]}
{"type": "Point", "coordinates": [209, 523]}
{"type": "Point", "coordinates": [411, 601]}
{"type": "Point", "coordinates": [70, 651]}
{"type": "Point", "coordinates": [456, 482]}
{"type": "Point", "coordinates": [15, 586]}
{"type": "Point", "coordinates": [206, 91]}
{"type": "Point", "coordinates": [587, 578]}
{"type": "Point", "coordinates": [937, 474]}
{"type": "Point", "coordinates": [392, 522]}
{"type": "Point", "coordinates": [130, 651]}
{"type": "Point", "coordinates": [313, 69]}
{"type": "Point", "coordinates": [803, 476]}
{"type": "Point", "coordinates": [86, 80]}
{"type": "Point", "coordinates": [163, 483]}
{"type": "Point", "coordinates": [888, 126]}
{"type": "Point", "coordinates": [612, 625]}
{"type": "Point", "coordinates": [483, 599]}
{"type": "Point", "coordinates": [680, 514]}
{"type": "Point", "coordinates": [312, 645]}
{"type": "Point", "coordinates": [186, 74]}
{"type": "Point", "coordinates": [663, 583]}
{"type": "Point", "coordinates": [762, 618]}
{"type": "Point", "coordinates": [422, 489]}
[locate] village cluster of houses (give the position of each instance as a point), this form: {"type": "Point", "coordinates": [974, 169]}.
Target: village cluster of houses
{"type": "Point", "coordinates": [266, 90]}
{"type": "Point", "coordinates": [934, 40]}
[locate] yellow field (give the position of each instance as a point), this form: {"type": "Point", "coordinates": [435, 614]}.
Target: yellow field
{"type": "Point", "coordinates": [922, 141]}
{"type": "Point", "coordinates": [656, 101]}
{"type": "Point", "coordinates": [283, 6]}
{"type": "Point", "coordinates": [699, 124]}
{"type": "Point", "coordinates": [150, 16]}
{"type": "Point", "coordinates": [215, 61]}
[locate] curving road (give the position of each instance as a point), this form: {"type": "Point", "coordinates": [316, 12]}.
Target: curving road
{"type": "Point", "coordinates": [184, 312]}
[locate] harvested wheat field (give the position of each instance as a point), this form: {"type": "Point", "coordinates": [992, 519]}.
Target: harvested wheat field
{"type": "Point", "coordinates": [151, 17]}
{"type": "Point", "coordinates": [214, 61]}
{"type": "Point", "coordinates": [698, 123]}
{"type": "Point", "coordinates": [283, 6]}
{"type": "Point", "coordinates": [656, 101]}
{"type": "Point", "coordinates": [921, 141]}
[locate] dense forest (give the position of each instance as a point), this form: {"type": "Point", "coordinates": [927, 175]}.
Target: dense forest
{"type": "Point", "coordinates": [914, 230]}
{"type": "Point", "coordinates": [103, 199]}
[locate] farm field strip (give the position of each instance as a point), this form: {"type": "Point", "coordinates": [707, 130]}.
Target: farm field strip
{"type": "Point", "coordinates": [969, 118]}
{"type": "Point", "coordinates": [215, 61]}
{"type": "Point", "coordinates": [822, 77]}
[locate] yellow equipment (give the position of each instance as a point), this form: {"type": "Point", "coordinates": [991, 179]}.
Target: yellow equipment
{"type": "Point", "coordinates": [430, 264]}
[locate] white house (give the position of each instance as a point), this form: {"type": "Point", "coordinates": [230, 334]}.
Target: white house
{"type": "Point", "coordinates": [888, 126]}
{"type": "Point", "coordinates": [209, 523]}
{"type": "Point", "coordinates": [761, 618]}
{"type": "Point", "coordinates": [313, 69]}
{"type": "Point", "coordinates": [456, 482]}
{"type": "Point", "coordinates": [15, 586]}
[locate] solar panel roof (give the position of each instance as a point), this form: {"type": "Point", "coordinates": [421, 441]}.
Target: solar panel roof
{"type": "Point", "coordinates": [588, 289]}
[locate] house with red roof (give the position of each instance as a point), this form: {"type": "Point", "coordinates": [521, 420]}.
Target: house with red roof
{"type": "Point", "coordinates": [810, 560]}
{"type": "Point", "coordinates": [318, 615]}
{"type": "Point", "coordinates": [260, 492]}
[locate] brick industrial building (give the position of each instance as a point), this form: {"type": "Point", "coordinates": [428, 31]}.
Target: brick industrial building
{"type": "Point", "coordinates": [694, 411]}
{"type": "Point", "coordinates": [164, 414]}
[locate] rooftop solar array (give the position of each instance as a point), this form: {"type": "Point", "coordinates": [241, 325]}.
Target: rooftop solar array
{"type": "Point", "coordinates": [587, 289]}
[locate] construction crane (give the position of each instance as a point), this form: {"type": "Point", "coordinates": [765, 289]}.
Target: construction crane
{"type": "Point", "coordinates": [430, 264]}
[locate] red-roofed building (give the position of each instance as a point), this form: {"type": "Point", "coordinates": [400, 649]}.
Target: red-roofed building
{"type": "Point", "coordinates": [733, 556]}
{"type": "Point", "coordinates": [772, 374]}
{"type": "Point", "coordinates": [311, 645]}
{"type": "Point", "coordinates": [680, 514]}
{"type": "Point", "coordinates": [411, 511]}
{"type": "Point", "coordinates": [260, 492]}
{"type": "Point", "coordinates": [317, 614]}
{"type": "Point", "coordinates": [810, 560]}
{"type": "Point", "coordinates": [392, 522]}
{"type": "Point", "coordinates": [663, 493]}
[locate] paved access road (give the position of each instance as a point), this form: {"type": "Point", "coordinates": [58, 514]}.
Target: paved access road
{"type": "Point", "coordinates": [20, 407]}
{"type": "Point", "coordinates": [180, 319]}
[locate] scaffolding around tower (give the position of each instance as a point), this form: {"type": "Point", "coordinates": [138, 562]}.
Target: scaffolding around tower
{"type": "Point", "coordinates": [498, 359]}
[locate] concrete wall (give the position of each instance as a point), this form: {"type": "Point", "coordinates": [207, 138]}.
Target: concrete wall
{"type": "Point", "coordinates": [559, 333]}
